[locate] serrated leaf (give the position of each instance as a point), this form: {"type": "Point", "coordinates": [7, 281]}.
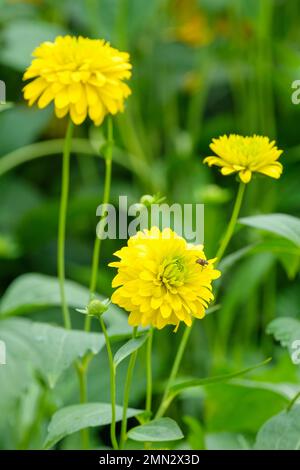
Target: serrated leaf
{"type": "Point", "coordinates": [159, 430]}
{"type": "Point", "coordinates": [281, 432]}
{"type": "Point", "coordinates": [73, 418]}
{"type": "Point", "coordinates": [283, 225]}
{"type": "Point", "coordinates": [128, 348]}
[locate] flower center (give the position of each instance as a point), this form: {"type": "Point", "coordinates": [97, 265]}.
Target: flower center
{"type": "Point", "coordinates": [171, 272]}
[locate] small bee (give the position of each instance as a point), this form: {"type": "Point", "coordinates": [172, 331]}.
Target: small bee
{"type": "Point", "coordinates": [202, 262]}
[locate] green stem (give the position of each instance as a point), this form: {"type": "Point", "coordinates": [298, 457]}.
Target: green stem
{"type": "Point", "coordinates": [174, 371]}
{"type": "Point", "coordinates": [121, 35]}
{"type": "Point", "coordinates": [232, 222]}
{"type": "Point", "coordinates": [105, 201]}
{"type": "Point", "coordinates": [293, 401]}
{"type": "Point", "coordinates": [128, 380]}
{"type": "Point", "coordinates": [85, 437]}
{"type": "Point", "coordinates": [62, 224]}
{"type": "Point", "coordinates": [149, 373]}
{"type": "Point", "coordinates": [112, 372]}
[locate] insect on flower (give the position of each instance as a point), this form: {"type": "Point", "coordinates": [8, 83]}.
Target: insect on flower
{"type": "Point", "coordinates": [202, 262]}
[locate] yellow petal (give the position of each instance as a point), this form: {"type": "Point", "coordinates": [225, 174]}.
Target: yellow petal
{"type": "Point", "coordinates": [61, 112]}
{"type": "Point", "coordinates": [75, 91]}
{"type": "Point", "coordinates": [245, 176]}
{"type": "Point", "coordinates": [62, 99]}
{"type": "Point", "coordinates": [45, 98]}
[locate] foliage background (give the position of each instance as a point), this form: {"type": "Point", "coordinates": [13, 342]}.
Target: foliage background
{"type": "Point", "coordinates": [201, 69]}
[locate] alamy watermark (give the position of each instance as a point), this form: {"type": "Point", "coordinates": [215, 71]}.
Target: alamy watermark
{"type": "Point", "coordinates": [2, 92]}
{"type": "Point", "coordinates": [295, 355]}
{"type": "Point", "coordinates": [2, 353]}
{"type": "Point", "coordinates": [187, 220]}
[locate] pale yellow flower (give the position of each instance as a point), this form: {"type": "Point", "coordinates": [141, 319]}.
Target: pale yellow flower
{"type": "Point", "coordinates": [83, 77]}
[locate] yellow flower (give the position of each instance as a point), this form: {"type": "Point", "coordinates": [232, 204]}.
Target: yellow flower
{"type": "Point", "coordinates": [246, 155]}
{"type": "Point", "coordinates": [82, 76]}
{"type": "Point", "coordinates": [162, 280]}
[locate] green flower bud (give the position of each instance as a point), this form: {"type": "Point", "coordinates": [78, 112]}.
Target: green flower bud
{"type": "Point", "coordinates": [147, 200]}
{"type": "Point", "coordinates": [96, 307]}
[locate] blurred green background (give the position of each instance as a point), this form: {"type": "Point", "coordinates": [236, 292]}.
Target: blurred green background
{"type": "Point", "coordinates": [201, 68]}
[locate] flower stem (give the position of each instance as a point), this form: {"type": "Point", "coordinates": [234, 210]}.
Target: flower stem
{"type": "Point", "coordinates": [232, 222]}
{"type": "Point", "coordinates": [83, 399]}
{"type": "Point", "coordinates": [236, 210]}
{"type": "Point", "coordinates": [106, 196]}
{"type": "Point", "coordinates": [62, 224]}
{"type": "Point", "coordinates": [127, 392]}
{"type": "Point", "coordinates": [174, 371]}
{"type": "Point", "coordinates": [149, 373]}
{"type": "Point", "coordinates": [94, 277]}
{"type": "Point", "coordinates": [112, 372]}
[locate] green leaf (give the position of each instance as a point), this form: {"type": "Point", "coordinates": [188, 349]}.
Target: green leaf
{"type": "Point", "coordinates": [286, 251]}
{"type": "Point", "coordinates": [287, 332]}
{"type": "Point", "coordinates": [227, 404]}
{"type": "Point", "coordinates": [196, 433]}
{"type": "Point", "coordinates": [17, 374]}
{"type": "Point", "coordinates": [31, 292]}
{"type": "Point", "coordinates": [281, 432]}
{"type": "Point", "coordinates": [21, 37]}
{"type": "Point", "coordinates": [283, 225]}
{"type": "Point", "coordinates": [179, 387]}
{"type": "Point", "coordinates": [58, 348]}
{"type": "Point", "coordinates": [128, 348]}
{"type": "Point", "coordinates": [226, 441]}
{"type": "Point", "coordinates": [159, 430]}
{"type": "Point", "coordinates": [73, 418]}
{"type": "Point", "coordinates": [34, 292]}
{"type": "Point", "coordinates": [47, 349]}
{"type": "Point", "coordinates": [21, 125]}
